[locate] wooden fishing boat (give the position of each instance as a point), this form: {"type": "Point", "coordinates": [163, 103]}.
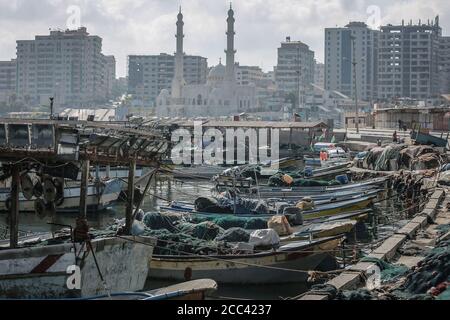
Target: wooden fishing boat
{"type": "Point", "coordinates": [323, 198]}
{"type": "Point", "coordinates": [321, 230]}
{"type": "Point", "coordinates": [320, 211]}
{"type": "Point", "coordinates": [42, 272]}
{"type": "Point", "coordinates": [308, 191]}
{"type": "Point", "coordinates": [98, 198]}
{"type": "Point", "coordinates": [290, 263]}
{"type": "Point", "coordinates": [338, 208]}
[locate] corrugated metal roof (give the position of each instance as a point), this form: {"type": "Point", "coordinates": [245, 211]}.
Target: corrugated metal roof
{"type": "Point", "coordinates": [257, 124]}
{"type": "Point", "coordinates": [83, 114]}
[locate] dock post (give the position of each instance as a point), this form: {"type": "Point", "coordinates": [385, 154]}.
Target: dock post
{"type": "Point", "coordinates": [84, 188]}
{"type": "Point", "coordinates": [14, 213]}
{"type": "Point", "coordinates": [130, 197]}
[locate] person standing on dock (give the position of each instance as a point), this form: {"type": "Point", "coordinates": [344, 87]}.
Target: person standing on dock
{"type": "Point", "coordinates": [394, 137]}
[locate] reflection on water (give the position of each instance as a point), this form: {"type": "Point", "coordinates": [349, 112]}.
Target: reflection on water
{"type": "Point", "coordinates": [161, 189]}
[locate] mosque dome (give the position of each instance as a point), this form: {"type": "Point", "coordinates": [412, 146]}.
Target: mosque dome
{"type": "Point", "coordinates": [217, 75]}
{"type": "Point", "coordinates": [218, 72]}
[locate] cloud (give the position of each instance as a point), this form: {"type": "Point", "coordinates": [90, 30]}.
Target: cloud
{"type": "Point", "coordinates": [148, 26]}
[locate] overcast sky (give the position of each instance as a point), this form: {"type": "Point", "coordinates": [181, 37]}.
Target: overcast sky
{"type": "Point", "coordinates": [148, 26]}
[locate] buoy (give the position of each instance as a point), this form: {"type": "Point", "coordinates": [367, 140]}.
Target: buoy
{"type": "Point", "coordinates": [287, 179]}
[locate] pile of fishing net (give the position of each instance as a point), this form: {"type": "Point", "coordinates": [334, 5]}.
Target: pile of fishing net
{"type": "Point", "coordinates": [205, 230]}
{"type": "Point", "coordinates": [278, 180]}
{"type": "Point", "coordinates": [430, 277]}
{"type": "Point", "coordinates": [157, 221]}
{"type": "Point", "coordinates": [226, 205]}
{"type": "Point", "coordinates": [389, 272]}
{"type": "Point", "coordinates": [194, 234]}
{"type": "Point", "coordinates": [235, 235]}
{"type": "Point", "coordinates": [170, 243]}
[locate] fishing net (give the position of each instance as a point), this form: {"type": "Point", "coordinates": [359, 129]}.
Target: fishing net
{"type": "Point", "coordinates": [359, 294]}
{"type": "Point", "coordinates": [229, 221]}
{"type": "Point", "coordinates": [389, 272]}
{"type": "Point", "coordinates": [205, 230]}
{"type": "Point", "coordinates": [181, 244]}
{"type": "Point", "coordinates": [431, 272]}
{"type": "Point", "coordinates": [226, 205]}
{"type": "Point", "coordinates": [234, 235]}
{"type": "Point", "coordinates": [278, 181]}
{"type": "Point", "coordinates": [157, 221]}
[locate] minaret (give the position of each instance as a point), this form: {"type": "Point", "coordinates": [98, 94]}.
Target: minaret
{"type": "Point", "coordinates": [178, 79]}
{"type": "Point", "coordinates": [230, 75]}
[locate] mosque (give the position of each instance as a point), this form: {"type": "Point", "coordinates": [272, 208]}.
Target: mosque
{"type": "Point", "coordinates": [220, 96]}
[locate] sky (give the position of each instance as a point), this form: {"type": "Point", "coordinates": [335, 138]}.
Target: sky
{"type": "Point", "coordinates": [148, 26]}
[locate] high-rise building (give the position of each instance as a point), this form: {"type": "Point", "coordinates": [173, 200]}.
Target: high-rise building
{"type": "Point", "coordinates": [7, 79]}
{"type": "Point", "coordinates": [295, 68]}
{"type": "Point", "coordinates": [247, 75]}
{"type": "Point", "coordinates": [355, 44]}
{"type": "Point", "coordinates": [148, 75]}
{"type": "Point", "coordinates": [444, 65]}
{"type": "Point", "coordinates": [409, 61]}
{"type": "Point", "coordinates": [110, 74]}
{"type": "Point", "coordinates": [67, 65]}
{"type": "Point", "coordinates": [319, 74]}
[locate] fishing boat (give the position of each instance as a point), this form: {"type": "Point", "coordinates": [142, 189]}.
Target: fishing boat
{"type": "Point", "coordinates": [321, 230]}
{"type": "Point", "coordinates": [321, 198]}
{"type": "Point", "coordinates": [43, 272]}
{"type": "Point", "coordinates": [308, 191]}
{"type": "Point", "coordinates": [332, 209]}
{"type": "Point", "coordinates": [100, 195]}
{"type": "Point", "coordinates": [325, 210]}
{"type": "Point", "coordinates": [289, 263]}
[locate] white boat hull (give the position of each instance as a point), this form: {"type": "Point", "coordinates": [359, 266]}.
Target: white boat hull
{"type": "Point", "coordinates": [42, 272]}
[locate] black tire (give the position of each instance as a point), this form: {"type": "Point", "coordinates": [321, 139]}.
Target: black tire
{"type": "Point", "coordinates": [49, 190]}
{"type": "Point", "coordinates": [38, 190]}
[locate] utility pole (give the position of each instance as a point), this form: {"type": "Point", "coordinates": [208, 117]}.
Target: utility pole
{"type": "Point", "coordinates": [298, 79]}
{"type": "Point", "coordinates": [51, 107]}
{"type": "Point", "coordinates": [354, 63]}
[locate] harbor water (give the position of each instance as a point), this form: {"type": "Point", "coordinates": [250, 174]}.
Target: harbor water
{"type": "Point", "coordinates": [389, 216]}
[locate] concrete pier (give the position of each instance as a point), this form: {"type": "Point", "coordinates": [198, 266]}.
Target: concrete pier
{"type": "Point", "coordinates": [355, 277]}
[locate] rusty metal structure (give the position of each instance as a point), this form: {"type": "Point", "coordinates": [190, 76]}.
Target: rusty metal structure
{"type": "Point", "coordinates": [61, 149]}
